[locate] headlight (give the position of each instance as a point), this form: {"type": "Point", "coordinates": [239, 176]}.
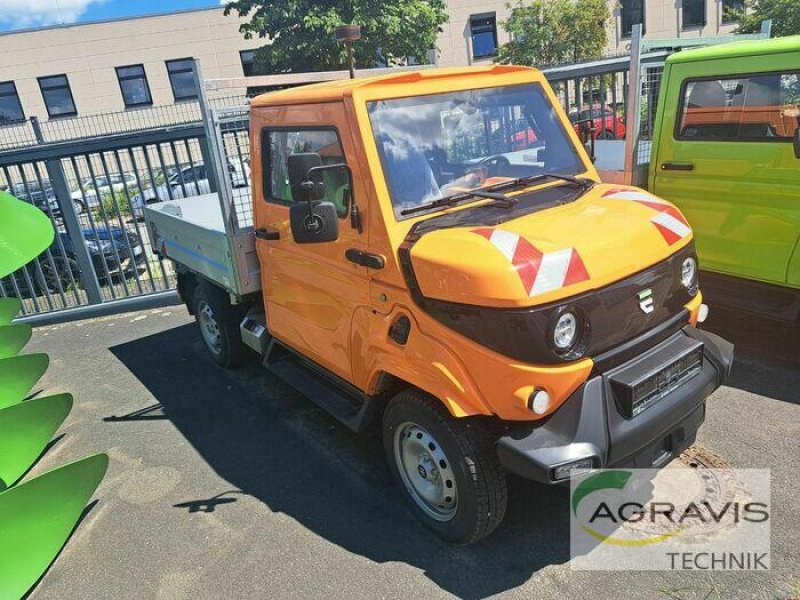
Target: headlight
{"type": "Point", "coordinates": [565, 332]}
{"type": "Point", "coordinates": [689, 273]}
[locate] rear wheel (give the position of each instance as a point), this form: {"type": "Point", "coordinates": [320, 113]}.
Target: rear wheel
{"type": "Point", "coordinates": [219, 322]}
{"type": "Point", "coordinates": [606, 134]}
{"type": "Point", "coordinates": [447, 468]}
{"type": "Point", "coordinates": [79, 207]}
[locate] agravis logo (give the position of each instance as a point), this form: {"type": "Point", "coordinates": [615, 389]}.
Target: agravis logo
{"type": "Point", "coordinates": [645, 518]}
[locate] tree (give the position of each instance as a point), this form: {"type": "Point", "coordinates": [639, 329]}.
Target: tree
{"type": "Point", "coordinates": [785, 15]}
{"type": "Point", "coordinates": [550, 31]}
{"type": "Point", "coordinates": [300, 32]}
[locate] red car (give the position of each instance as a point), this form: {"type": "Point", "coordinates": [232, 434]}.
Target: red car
{"type": "Point", "coordinates": [608, 125]}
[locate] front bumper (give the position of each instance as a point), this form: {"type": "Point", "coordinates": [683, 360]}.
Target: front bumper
{"type": "Point", "coordinates": [591, 425]}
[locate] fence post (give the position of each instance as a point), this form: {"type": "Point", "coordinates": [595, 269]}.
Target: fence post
{"type": "Point", "coordinates": [58, 179]}
{"type": "Point", "coordinates": [633, 103]}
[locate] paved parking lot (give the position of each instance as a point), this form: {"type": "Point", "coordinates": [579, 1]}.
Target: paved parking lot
{"type": "Point", "coordinates": [231, 485]}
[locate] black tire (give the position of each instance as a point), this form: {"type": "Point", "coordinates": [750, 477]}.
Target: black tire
{"type": "Point", "coordinates": [211, 302]}
{"type": "Point", "coordinates": [606, 134]}
{"type": "Point", "coordinates": [480, 480]}
{"type": "Point", "coordinates": [79, 207]}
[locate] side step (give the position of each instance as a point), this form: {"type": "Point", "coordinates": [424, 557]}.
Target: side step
{"type": "Point", "coordinates": [349, 405]}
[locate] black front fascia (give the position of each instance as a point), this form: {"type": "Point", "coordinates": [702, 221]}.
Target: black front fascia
{"type": "Point", "coordinates": [609, 317]}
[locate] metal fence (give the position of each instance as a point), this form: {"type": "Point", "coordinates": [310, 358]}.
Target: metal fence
{"type": "Point", "coordinates": [92, 176]}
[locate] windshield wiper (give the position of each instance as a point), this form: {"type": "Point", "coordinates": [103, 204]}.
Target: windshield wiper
{"type": "Point", "coordinates": [492, 193]}
{"type": "Point", "coordinates": [447, 201]}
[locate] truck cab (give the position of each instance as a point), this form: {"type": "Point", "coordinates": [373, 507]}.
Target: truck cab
{"type": "Point", "coordinates": [726, 151]}
{"type": "Point", "coordinates": [486, 302]}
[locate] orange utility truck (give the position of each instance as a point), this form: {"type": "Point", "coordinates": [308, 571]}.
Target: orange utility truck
{"type": "Point", "coordinates": [491, 307]}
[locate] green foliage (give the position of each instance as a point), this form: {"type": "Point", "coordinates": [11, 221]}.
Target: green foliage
{"type": "Point", "coordinates": [551, 31]}
{"type": "Point", "coordinates": [114, 204]}
{"type": "Point", "coordinates": [301, 32]}
{"type": "Point", "coordinates": [785, 15]}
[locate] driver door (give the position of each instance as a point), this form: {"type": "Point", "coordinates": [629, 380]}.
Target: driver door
{"type": "Point", "coordinates": [312, 290]}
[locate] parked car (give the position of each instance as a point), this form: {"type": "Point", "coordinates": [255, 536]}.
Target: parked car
{"type": "Point", "coordinates": [608, 125]}
{"type": "Point", "coordinates": [91, 190]}
{"type": "Point", "coordinates": [108, 264]}
{"type": "Point", "coordinates": [40, 194]}
{"type": "Point", "coordinates": [189, 181]}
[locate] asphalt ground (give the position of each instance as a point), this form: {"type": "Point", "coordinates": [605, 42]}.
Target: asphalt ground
{"type": "Point", "coordinates": [229, 484]}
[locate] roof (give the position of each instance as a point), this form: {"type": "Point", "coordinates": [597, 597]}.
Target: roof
{"type": "Point", "coordinates": [739, 49]}
{"type": "Point", "coordinates": [333, 91]}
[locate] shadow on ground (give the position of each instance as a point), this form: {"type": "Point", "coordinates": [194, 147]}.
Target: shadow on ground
{"type": "Point", "coordinates": [767, 353]}
{"type": "Point", "coordinates": [271, 444]}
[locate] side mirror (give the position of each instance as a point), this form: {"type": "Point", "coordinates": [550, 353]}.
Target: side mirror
{"type": "Point", "coordinates": [586, 135]}
{"type": "Point", "coordinates": [300, 169]}
{"type": "Point", "coordinates": [796, 142]}
{"type": "Point", "coordinates": [314, 222]}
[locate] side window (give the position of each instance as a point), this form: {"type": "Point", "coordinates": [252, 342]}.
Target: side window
{"type": "Point", "coordinates": [279, 144]}
{"type": "Point", "coordinates": [763, 107]}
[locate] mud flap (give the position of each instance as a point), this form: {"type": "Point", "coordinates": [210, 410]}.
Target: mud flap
{"type": "Point", "coordinates": [38, 516]}
{"type": "Point", "coordinates": [25, 430]}
{"type": "Point", "coordinates": [13, 338]}
{"type": "Point", "coordinates": [18, 375]}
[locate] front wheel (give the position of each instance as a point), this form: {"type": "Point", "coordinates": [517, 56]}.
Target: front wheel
{"type": "Point", "coordinates": [219, 322]}
{"type": "Point", "coordinates": [447, 468]}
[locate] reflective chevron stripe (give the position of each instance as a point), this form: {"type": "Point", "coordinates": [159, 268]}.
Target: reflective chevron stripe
{"type": "Point", "coordinates": [669, 221]}
{"type": "Point", "coordinates": [539, 272]}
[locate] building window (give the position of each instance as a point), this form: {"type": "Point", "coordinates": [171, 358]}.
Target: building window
{"type": "Point", "coordinates": [133, 83]}
{"type": "Point", "coordinates": [483, 29]}
{"type": "Point", "coordinates": [694, 13]}
{"type": "Point", "coordinates": [182, 79]}
{"type": "Point", "coordinates": [57, 96]}
{"type": "Point", "coordinates": [10, 107]}
{"type": "Point", "coordinates": [731, 9]}
{"type": "Point", "coordinates": [248, 58]}
{"type": "Point", "coordinates": [632, 13]}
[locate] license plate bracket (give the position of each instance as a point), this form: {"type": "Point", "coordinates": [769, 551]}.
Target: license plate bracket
{"type": "Point", "coordinates": [645, 382]}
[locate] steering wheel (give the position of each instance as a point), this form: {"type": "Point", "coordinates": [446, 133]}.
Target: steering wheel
{"type": "Point", "coordinates": [493, 164]}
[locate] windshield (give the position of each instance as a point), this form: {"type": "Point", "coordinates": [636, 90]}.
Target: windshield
{"type": "Point", "coordinates": [437, 146]}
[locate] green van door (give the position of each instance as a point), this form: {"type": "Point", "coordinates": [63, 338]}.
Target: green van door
{"type": "Point", "coordinates": [724, 154]}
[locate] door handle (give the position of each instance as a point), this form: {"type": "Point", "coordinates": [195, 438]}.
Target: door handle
{"type": "Point", "coordinates": [263, 234]}
{"type": "Point", "coordinates": [364, 259]}
{"type": "Point", "coordinates": [674, 166]}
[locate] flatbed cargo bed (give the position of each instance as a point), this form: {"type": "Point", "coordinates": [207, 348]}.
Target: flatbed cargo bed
{"type": "Point", "coordinates": [192, 232]}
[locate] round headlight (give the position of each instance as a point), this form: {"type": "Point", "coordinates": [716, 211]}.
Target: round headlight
{"type": "Point", "coordinates": [689, 272]}
{"type": "Point", "coordinates": [565, 331]}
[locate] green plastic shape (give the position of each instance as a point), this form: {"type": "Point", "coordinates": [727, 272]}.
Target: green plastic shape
{"type": "Point", "coordinates": [25, 430]}
{"type": "Point", "coordinates": [38, 516]}
{"type": "Point", "coordinates": [9, 308]}
{"type": "Point", "coordinates": [25, 231]}
{"type": "Point", "coordinates": [13, 338]}
{"type": "Point", "coordinates": [18, 375]}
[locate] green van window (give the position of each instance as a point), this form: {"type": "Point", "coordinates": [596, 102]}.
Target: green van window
{"type": "Point", "coordinates": [763, 107]}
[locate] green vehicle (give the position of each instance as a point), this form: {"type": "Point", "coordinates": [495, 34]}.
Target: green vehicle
{"type": "Point", "coordinates": [726, 151]}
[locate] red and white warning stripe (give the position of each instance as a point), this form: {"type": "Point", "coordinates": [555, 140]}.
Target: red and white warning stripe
{"type": "Point", "coordinates": [539, 272]}
{"type": "Point", "coordinates": [669, 221]}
